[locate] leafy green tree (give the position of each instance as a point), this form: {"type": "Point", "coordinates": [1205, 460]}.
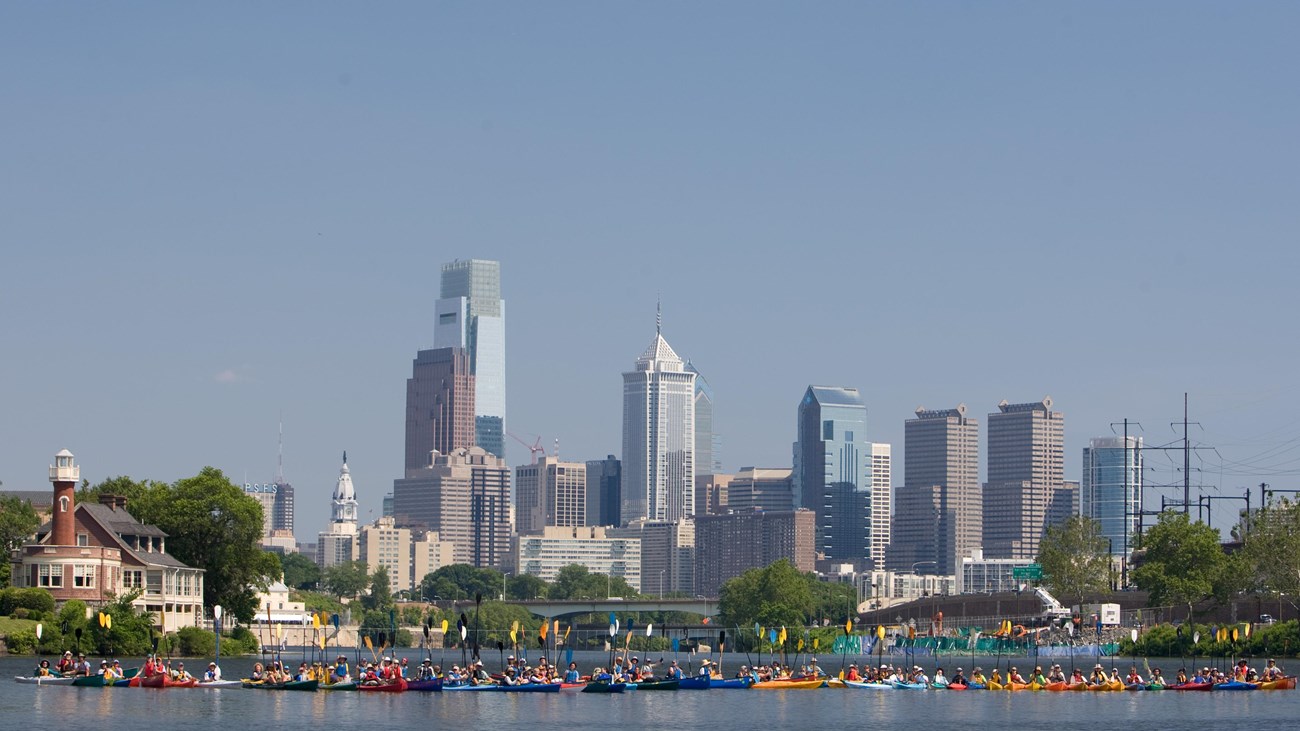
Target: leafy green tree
{"type": "Point", "coordinates": [776, 595]}
{"type": "Point", "coordinates": [526, 586]}
{"type": "Point", "coordinates": [130, 632]}
{"type": "Point", "coordinates": [1271, 549]}
{"type": "Point", "coordinates": [576, 581]}
{"type": "Point", "coordinates": [18, 523]}
{"type": "Point", "coordinates": [316, 602]}
{"type": "Point", "coordinates": [1075, 558]}
{"type": "Point", "coordinates": [833, 601]}
{"type": "Point", "coordinates": [299, 571]}
{"type": "Point", "coordinates": [346, 580]}
{"type": "Point", "coordinates": [1182, 564]}
{"type": "Point", "coordinates": [380, 597]}
{"type": "Point", "coordinates": [460, 582]}
{"type": "Point", "coordinates": [211, 525]}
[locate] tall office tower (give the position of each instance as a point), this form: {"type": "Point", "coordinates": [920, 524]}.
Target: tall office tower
{"type": "Point", "coordinates": [1111, 489]}
{"type": "Point", "coordinates": [882, 500]}
{"type": "Point", "coordinates": [711, 494]}
{"type": "Point", "coordinates": [604, 484]}
{"type": "Point", "coordinates": [439, 405]}
{"type": "Point", "coordinates": [937, 513]}
{"type": "Point", "coordinates": [658, 437]}
{"type": "Point", "coordinates": [708, 451]}
{"type": "Point", "coordinates": [465, 497]}
{"type": "Point", "coordinates": [471, 315]}
{"type": "Point", "coordinates": [729, 545]}
{"type": "Point", "coordinates": [831, 470]}
{"type": "Point", "coordinates": [761, 488]}
{"type": "Point", "coordinates": [667, 554]}
{"type": "Point", "coordinates": [550, 493]}
{"type": "Point", "coordinates": [338, 542]}
{"type": "Point", "coordinates": [1026, 474]}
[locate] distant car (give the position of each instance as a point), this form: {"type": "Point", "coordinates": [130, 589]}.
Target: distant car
{"type": "Point", "coordinates": [1266, 619]}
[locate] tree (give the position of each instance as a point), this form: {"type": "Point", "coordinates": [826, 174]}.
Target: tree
{"type": "Point", "coordinates": [18, 523]}
{"type": "Point", "coordinates": [1183, 561]}
{"type": "Point", "coordinates": [1075, 558]}
{"type": "Point", "coordinates": [526, 586]}
{"type": "Point", "coordinates": [461, 581]}
{"type": "Point", "coordinates": [1271, 550]}
{"type": "Point", "coordinates": [380, 597]}
{"type": "Point", "coordinates": [775, 595]}
{"type": "Point", "coordinates": [576, 581]}
{"type": "Point", "coordinates": [299, 571]}
{"type": "Point", "coordinates": [346, 579]}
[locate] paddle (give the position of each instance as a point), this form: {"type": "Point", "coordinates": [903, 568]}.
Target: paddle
{"type": "Point", "coordinates": [460, 624]}
{"type": "Point", "coordinates": [478, 602]}
{"type": "Point", "coordinates": [501, 647]}
{"type": "Point", "coordinates": [77, 644]}
{"type": "Point", "coordinates": [370, 646]}
{"type": "Point", "coordinates": [848, 628]}
{"type": "Point", "coordinates": [880, 643]}
{"type": "Point", "coordinates": [613, 630]}
{"type": "Point", "coordinates": [758, 635]}
{"type": "Point", "coordinates": [722, 648]}
{"type": "Point", "coordinates": [40, 630]}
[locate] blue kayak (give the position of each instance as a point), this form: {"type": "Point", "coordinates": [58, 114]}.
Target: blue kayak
{"type": "Point", "coordinates": [730, 682]}
{"type": "Point", "coordinates": [1236, 685]}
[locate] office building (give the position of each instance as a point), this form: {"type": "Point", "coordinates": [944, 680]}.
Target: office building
{"type": "Point", "coordinates": [428, 554]}
{"type": "Point", "coordinates": [1025, 488]}
{"type": "Point", "coordinates": [882, 500]}
{"type": "Point", "coordinates": [708, 445]}
{"type": "Point", "coordinates": [604, 487]}
{"type": "Point", "coordinates": [1111, 489]}
{"type": "Point", "coordinates": [465, 497]}
{"type": "Point", "coordinates": [831, 468]}
{"type": "Point", "coordinates": [764, 488]}
{"type": "Point", "coordinates": [667, 554]}
{"type": "Point", "coordinates": [543, 554]}
{"type": "Point", "coordinates": [658, 437]}
{"type": "Point", "coordinates": [729, 545]}
{"type": "Point", "coordinates": [937, 511]}
{"type": "Point", "coordinates": [471, 315]}
{"type": "Point", "coordinates": [711, 494]}
{"type": "Point", "coordinates": [337, 544]}
{"type": "Point", "coordinates": [386, 544]}
{"type": "Point", "coordinates": [439, 405]}
{"type": "Point", "coordinates": [550, 493]}
{"type": "Point", "coordinates": [980, 575]}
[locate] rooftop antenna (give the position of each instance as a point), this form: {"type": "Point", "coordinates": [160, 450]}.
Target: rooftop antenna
{"type": "Point", "coordinates": [279, 468]}
{"type": "Point", "coordinates": [659, 315]}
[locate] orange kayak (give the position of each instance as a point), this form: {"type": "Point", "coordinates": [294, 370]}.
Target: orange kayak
{"type": "Point", "coordinates": [789, 684]}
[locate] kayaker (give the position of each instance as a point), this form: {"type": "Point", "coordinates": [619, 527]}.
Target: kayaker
{"type": "Point", "coordinates": [919, 676]}
{"type": "Point", "coordinates": [705, 671]}
{"type": "Point", "coordinates": [1157, 679]}
{"type": "Point", "coordinates": [1038, 676]}
{"type": "Point", "coordinates": [939, 677]}
{"type": "Point", "coordinates": [1114, 677]}
{"type": "Point", "coordinates": [1181, 677]}
{"type": "Point", "coordinates": [1240, 671]}
{"type": "Point", "coordinates": [1098, 676]}
{"type": "Point", "coordinates": [1133, 678]}
{"type": "Point", "coordinates": [66, 664]}
{"type": "Point", "coordinates": [814, 671]}
{"type": "Point", "coordinates": [977, 676]}
{"type": "Point", "coordinates": [1201, 676]}
{"type": "Point", "coordinates": [853, 673]}
{"type": "Point", "coordinates": [103, 668]}
{"type": "Point", "coordinates": [82, 668]}
{"type": "Point", "coordinates": [996, 677]}
{"type": "Point", "coordinates": [480, 675]}
{"type": "Point", "coordinates": [113, 672]}
{"type": "Point", "coordinates": [1077, 677]}
{"type": "Point", "coordinates": [213, 674]}
{"type": "Point", "coordinates": [339, 672]}
{"type": "Point", "coordinates": [1272, 671]}
{"type": "Point", "coordinates": [258, 674]}
{"type": "Point", "coordinates": [43, 670]}
{"type": "Point", "coordinates": [181, 675]}
{"type": "Point", "coordinates": [425, 671]}
{"type": "Point", "coordinates": [1056, 675]}
{"type": "Point", "coordinates": [957, 678]}
{"type": "Point", "coordinates": [674, 672]}
{"type": "Point", "coordinates": [573, 676]}
{"type": "Point", "coordinates": [1015, 677]}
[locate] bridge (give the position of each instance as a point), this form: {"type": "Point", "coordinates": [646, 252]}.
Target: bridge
{"type": "Point", "coordinates": [550, 609]}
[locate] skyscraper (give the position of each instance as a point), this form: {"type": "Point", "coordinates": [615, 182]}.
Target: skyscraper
{"type": "Point", "coordinates": [550, 493]}
{"type": "Point", "coordinates": [1025, 491]}
{"type": "Point", "coordinates": [1105, 488]}
{"type": "Point", "coordinates": [882, 500]}
{"type": "Point", "coordinates": [471, 315]}
{"type": "Point", "coordinates": [762, 488]}
{"type": "Point", "coordinates": [338, 542]}
{"type": "Point", "coordinates": [604, 485]}
{"type": "Point", "coordinates": [465, 497]}
{"type": "Point", "coordinates": [708, 454]}
{"type": "Point", "coordinates": [729, 545]}
{"type": "Point", "coordinates": [831, 467]}
{"type": "Point", "coordinates": [439, 405]}
{"type": "Point", "coordinates": [658, 436]}
{"type": "Point", "coordinates": [937, 511]}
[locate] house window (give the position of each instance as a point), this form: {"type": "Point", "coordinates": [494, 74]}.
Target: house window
{"type": "Point", "coordinates": [63, 504]}
{"type": "Point", "coordinates": [51, 576]}
{"type": "Point", "coordinates": [133, 579]}
{"type": "Point", "coordinates": [83, 576]}
{"type": "Point", "coordinates": [83, 539]}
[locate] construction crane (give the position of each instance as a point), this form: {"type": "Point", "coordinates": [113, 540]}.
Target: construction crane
{"type": "Point", "coordinates": [535, 448]}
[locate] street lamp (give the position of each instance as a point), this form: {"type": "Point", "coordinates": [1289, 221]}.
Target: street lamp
{"type": "Point", "coordinates": [661, 584]}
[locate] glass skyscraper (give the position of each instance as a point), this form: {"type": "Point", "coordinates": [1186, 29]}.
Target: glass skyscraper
{"type": "Point", "coordinates": [832, 470]}
{"type": "Point", "coordinates": [1107, 494]}
{"type": "Point", "coordinates": [658, 437]}
{"type": "Point", "coordinates": [472, 315]}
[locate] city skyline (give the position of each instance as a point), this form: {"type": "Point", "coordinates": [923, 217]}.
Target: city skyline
{"type": "Point", "coordinates": [202, 240]}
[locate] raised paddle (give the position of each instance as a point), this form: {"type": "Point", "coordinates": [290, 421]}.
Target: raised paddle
{"type": "Point", "coordinates": [40, 630]}
{"type": "Point", "coordinates": [848, 627]}
{"type": "Point", "coordinates": [77, 644]}
{"type": "Point", "coordinates": [442, 659]}
{"type": "Point", "coordinates": [501, 648]}
{"type": "Point", "coordinates": [478, 601]}
{"type": "Point", "coordinates": [722, 648]}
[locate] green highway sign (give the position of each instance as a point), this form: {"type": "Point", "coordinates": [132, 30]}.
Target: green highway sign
{"type": "Point", "coordinates": [1032, 572]}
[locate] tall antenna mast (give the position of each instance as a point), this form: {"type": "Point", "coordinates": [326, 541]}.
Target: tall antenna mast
{"type": "Point", "coordinates": [279, 468]}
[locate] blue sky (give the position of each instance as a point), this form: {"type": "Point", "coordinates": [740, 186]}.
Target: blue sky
{"type": "Point", "coordinates": [213, 214]}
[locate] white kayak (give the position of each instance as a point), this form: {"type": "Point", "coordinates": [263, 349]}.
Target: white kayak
{"type": "Point", "coordinates": [48, 680]}
{"type": "Point", "coordinates": [868, 686]}
{"type": "Point", "coordinates": [216, 684]}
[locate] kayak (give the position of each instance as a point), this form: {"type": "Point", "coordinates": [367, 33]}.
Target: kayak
{"type": "Point", "coordinates": [398, 686]}
{"type": "Point", "coordinates": [697, 683]}
{"type": "Point", "coordinates": [660, 685]}
{"type": "Point", "coordinates": [217, 684]}
{"type": "Point", "coordinates": [468, 687]}
{"type": "Point", "coordinates": [1192, 686]}
{"type": "Point", "coordinates": [162, 681]}
{"type": "Point", "coordinates": [303, 685]}
{"type": "Point", "coordinates": [789, 684]}
{"type": "Point", "coordinates": [1236, 685]}
{"type": "Point", "coordinates": [530, 688]}
{"type": "Point", "coordinates": [572, 687]}
{"type": "Point", "coordinates": [343, 686]}
{"type": "Point", "coordinates": [909, 686]}
{"type": "Point", "coordinates": [746, 682]}
{"type": "Point", "coordinates": [601, 686]}
{"type": "Point", "coordinates": [1281, 684]}
{"type": "Point", "coordinates": [867, 686]}
{"type": "Point", "coordinates": [89, 681]}
{"type": "Point", "coordinates": [47, 680]}
{"type": "Point", "coordinates": [956, 686]}
{"type": "Point", "coordinates": [428, 685]}
{"type": "Point", "coordinates": [1108, 686]}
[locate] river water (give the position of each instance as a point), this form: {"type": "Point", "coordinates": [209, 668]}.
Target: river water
{"type": "Point", "coordinates": [56, 707]}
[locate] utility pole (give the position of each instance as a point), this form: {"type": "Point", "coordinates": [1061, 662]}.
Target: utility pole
{"type": "Point", "coordinates": [1187, 464]}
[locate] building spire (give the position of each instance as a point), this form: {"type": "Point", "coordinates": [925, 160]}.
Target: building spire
{"type": "Point", "coordinates": [659, 314]}
{"type": "Point", "coordinates": [345, 456]}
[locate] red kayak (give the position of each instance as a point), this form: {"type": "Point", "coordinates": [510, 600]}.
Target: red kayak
{"type": "Point", "coordinates": [398, 687]}
{"type": "Point", "coordinates": [162, 681]}
{"type": "Point", "coordinates": [1192, 686]}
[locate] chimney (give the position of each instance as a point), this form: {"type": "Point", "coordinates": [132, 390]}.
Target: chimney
{"type": "Point", "coordinates": [64, 475]}
{"type": "Point", "coordinates": [120, 501]}
{"type": "Point", "coordinates": [109, 500]}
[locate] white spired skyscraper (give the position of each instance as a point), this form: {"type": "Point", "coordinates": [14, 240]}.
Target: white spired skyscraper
{"type": "Point", "coordinates": [658, 436]}
{"type": "Point", "coordinates": [338, 543]}
{"type": "Point", "coordinates": [472, 315]}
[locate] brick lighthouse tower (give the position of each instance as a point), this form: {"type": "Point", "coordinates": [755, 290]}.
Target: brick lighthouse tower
{"type": "Point", "coordinates": [64, 474]}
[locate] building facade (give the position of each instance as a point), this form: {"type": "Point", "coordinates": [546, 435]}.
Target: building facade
{"type": "Point", "coordinates": [96, 552]}
{"type": "Point", "coordinates": [762, 488]}
{"type": "Point", "coordinates": [937, 514]}
{"type": "Point", "coordinates": [729, 545]}
{"type": "Point", "coordinates": [439, 405]}
{"type": "Point", "coordinates": [604, 487]}
{"type": "Point", "coordinates": [708, 445]}
{"type": "Point", "coordinates": [471, 315]}
{"type": "Point", "coordinates": [711, 493]}
{"type": "Point", "coordinates": [831, 468]}
{"type": "Point", "coordinates": [667, 554]}
{"type": "Point", "coordinates": [980, 575]}
{"type": "Point", "coordinates": [1025, 491]}
{"type": "Point", "coordinates": [658, 467]}
{"type": "Point", "coordinates": [337, 544]}
{"type": "Point", "coordinates": [543, 554]}
{"type": "Point", "coordinates": [550, 493]}
{"type": "Point", "coordinates": [1111, 489]}
{"type": "Point", "coordinates": [882, 500]}
{"type": "Point", "coordinates": [465, 497]}
{"type": "Point", "coordinates": [385, 544]}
